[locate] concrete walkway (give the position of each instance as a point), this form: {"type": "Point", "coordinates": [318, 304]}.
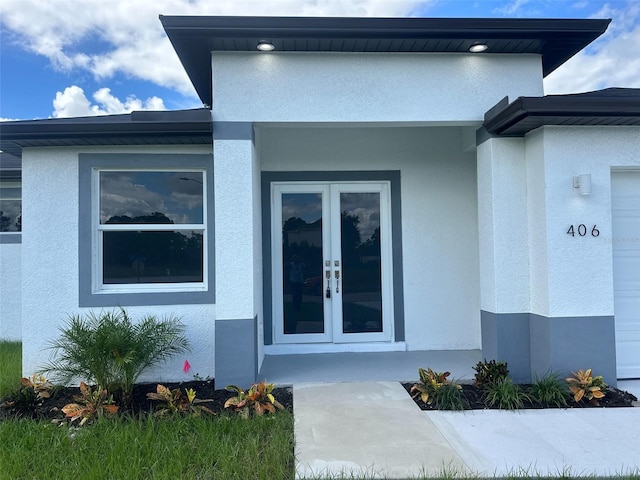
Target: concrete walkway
{"type": "Point", "coordinates": [375, 430]}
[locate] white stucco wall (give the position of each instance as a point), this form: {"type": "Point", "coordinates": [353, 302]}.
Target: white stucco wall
{"type": "Point", "coordinates": [580, 269]}
{"type": "Point", "coordinates": [235, 223]}
{"type": "Point", "coordinates": [367, 87]}
{"type": "Point", "coordinates": [503, 226]}
{"type": "Point", "coordinates": [439, 215]}
{"type": "Point", "coordinates": [568, 276]}
{"type": "Point", "coordinates": [10, 291]}
{"type": "Point", "coordinates": [50, 263]}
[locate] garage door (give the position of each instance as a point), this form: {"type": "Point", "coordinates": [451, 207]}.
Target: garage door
{"type": "Point", "coordinates": [625, 203]}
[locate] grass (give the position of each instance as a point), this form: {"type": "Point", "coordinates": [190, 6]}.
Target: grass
{"type": "Point", "coordinates": [505, 395]}
{"type": "Point", "coordinates": [181, 447]}
{"type": "Point", "coordinates": [549, 391]}
{"type": "Point", "coordinates": [10, 366]}
{"type": "Point", "coordinates": [224, 446]}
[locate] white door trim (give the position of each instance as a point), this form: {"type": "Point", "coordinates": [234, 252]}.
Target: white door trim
{"type": "Point", "coordinates": [333, 330]}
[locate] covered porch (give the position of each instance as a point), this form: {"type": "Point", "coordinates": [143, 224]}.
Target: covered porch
{"type": "Point", "coordinates": [366, 366]}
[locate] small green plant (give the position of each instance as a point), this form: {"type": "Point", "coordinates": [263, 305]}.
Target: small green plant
{"type": "Point", "coordinates": [549, 391]}
{"type": "Point", "coordinates": [583, 385]}
{"type": "Point", "coordinates": [506, 395]}
{"type": "Point", "coordinates": [91, 404]}
{"type": "Point", "coordinates": [174, 401]}
{"type": "Point", "coordinates": [449, 397]}
{"type": "Point", "coordinates": [435, 389]}
{"type": "Point", "coordinates": [258, 399]}
{"type": "Point", "coordinates": [110, 350]}
{"type": "Point", "coordinates": [489, 373]}
{"type": "Point", "coordinates": [30, 395]}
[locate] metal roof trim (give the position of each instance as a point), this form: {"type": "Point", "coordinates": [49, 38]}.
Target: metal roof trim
{"type": "Point", "coordinates": [611, 105]}
{"type": "Point", "coordinates": [193, 37]}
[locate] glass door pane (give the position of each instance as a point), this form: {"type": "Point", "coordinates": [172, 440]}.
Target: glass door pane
{"type": "Point", "coordinates": [302, 268]}
{"type": "Point", "coordinates": [361, 262]}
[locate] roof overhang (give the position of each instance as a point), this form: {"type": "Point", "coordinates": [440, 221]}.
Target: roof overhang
{"type": "Point", "coordinates": [195, 37]}
{"type": "Point", "coordinates": [181, 127]}
{"type": "Point", "coordinates": [609, 107]}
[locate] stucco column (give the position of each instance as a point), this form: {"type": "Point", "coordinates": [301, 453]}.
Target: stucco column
{"type": "Point", "coordinates": [238, 254]}
{"type": "Point", "coordinates": [504, 254]}
{"type": "Point", "coordinates": [571, 321]}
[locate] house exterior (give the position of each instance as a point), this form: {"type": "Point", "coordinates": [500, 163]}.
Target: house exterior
{"type": "Point", "coordinates": [363, 185]}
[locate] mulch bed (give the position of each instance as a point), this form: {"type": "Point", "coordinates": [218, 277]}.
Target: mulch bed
{"type": "Point", "coordinates": [473, 399]}
{"type": "Point", "coordinates": [205, 390]}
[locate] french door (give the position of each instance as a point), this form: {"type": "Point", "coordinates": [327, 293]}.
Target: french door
{"type": "Point", "coordinates": [331, 262]}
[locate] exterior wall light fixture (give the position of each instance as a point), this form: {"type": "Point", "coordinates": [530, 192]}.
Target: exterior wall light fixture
{"type": "Point", "coordinates": [583, 183]}
{"type": "Point", "coordinates": [478, 48]}
{"type": "Point", "coordinates": [265, 47]}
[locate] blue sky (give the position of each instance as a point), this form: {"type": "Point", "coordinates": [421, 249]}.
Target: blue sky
{"type": "Point", "coordinates": [93, 57]}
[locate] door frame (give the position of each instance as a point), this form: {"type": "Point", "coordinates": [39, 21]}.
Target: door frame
{"type": "Point", "coordinates": [333, 312]}
{"type": "Point", "coordinates": [265, 327]}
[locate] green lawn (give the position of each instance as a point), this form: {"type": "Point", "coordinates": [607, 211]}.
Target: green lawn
{"type": "Point", "coordinates": [182, 447]}
{"type": "Point", "coordinates": [225, 446]}
{"type": "Point", "coordinates": [10, 366]}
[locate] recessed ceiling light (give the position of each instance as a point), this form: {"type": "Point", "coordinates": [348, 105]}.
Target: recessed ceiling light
{"type": "Point", "coordinates": [478, 47]}
{"type": "Point", "coordinates": [265, 47]}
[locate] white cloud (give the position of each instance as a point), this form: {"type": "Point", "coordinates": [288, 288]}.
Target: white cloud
{"type": "Point", "coordinates": [127, 37]}
{"type": "Point", "coordinates": [611, 61]}
{"type": "Point", "coordinates": [512, 9]}
{"type": "Point", "coordinates": [74, 103]}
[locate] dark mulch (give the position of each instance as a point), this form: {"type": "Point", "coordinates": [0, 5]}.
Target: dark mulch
{"type": "Point", "coordinates": [205, 390]}
{"type": "Point", "coordinates": [473, 399]}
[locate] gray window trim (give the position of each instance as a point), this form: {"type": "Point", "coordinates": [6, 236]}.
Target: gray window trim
{"type": "Point", "coordinates": [10, 237]}
{"type": "Point", "coordinates": [89, 162]}
{"type": "Point", "coordinates": [393, 177]}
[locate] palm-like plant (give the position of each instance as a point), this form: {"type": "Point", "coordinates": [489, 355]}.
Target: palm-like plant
{"type": "Point", "coordinates": [112, 351]}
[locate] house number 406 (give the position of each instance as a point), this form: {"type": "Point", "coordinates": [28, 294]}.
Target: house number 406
{"type": "Point", "coordinates": [582, 230]}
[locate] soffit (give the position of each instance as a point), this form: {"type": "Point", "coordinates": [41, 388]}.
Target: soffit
{"type": "Point", "coordinates": [194, 38]}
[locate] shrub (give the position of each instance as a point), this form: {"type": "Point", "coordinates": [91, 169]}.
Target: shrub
{"type": "Point", "coordinates": [506, 395]}
{"type": "Point", "coordinates": [111, 351]}
{"type": "Point", "coordinates": [92, 404]}
{"type": "Point", "coordinates": [174, 401]}
{"type": "Point", "coordinates": [489, 373]}
{"type": "Point", "coordinates": [258, 399]}
{"type": "Point", "coordinates": [585, 386]}
{"type": "Point", "coordinates": [449, 397]}
{"type": "Point", "coordinates": [549, 391]}
{"type": "Point", "coordinates": [30, 395]}
{"type": "Point", "coordinates": [434, 389]}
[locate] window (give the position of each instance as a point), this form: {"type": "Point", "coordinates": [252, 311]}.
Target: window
{"type": "Point", "coordinates": [145, 229]}
{"type": "Point", "coordinates": [10, 205]}
{"type": "Point", "coordinates": [151, 228]}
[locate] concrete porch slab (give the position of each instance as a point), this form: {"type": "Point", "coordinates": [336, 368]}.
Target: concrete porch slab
{"type": "Point", "coordinates": [367, 366]}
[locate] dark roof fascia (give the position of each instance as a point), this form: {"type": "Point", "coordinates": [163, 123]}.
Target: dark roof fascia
{"type": "Point", "coordinates": [144, 127]}
{"type": "Point", "coordinates": [611, 107]}
{"type": "Point", "coordinates": [195, 37]}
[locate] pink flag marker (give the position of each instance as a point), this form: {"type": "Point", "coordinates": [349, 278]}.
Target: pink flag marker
{"type": "Point", "coordinates": [186, 367]}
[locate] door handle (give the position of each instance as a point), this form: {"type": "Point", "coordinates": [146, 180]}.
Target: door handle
{"type": "Point", "coordinates": [337, 273]}
{"type": "Point", "coordinates": [328, 275]}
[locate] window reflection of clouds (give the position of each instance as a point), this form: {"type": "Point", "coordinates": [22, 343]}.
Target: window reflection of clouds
{"type": "Point", "coordinates": [178, 195]}
{"type": "Point", "coordinates": [307, 206]}
{"type": "Point", "coordinates": [366, 206]}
